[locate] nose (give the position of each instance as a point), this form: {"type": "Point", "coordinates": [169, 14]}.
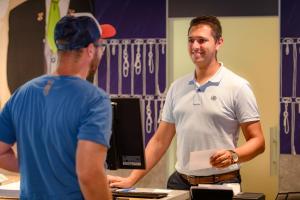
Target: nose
{"type": "Point", "coordinates": [195, 46]}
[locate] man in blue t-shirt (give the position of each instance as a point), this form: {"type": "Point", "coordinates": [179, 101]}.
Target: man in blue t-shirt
{"type": "Point", "coordinates": [61, 122]}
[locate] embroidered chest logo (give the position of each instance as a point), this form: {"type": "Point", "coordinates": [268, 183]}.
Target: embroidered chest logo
{"type": "Point", "coordinates": [213, 97]}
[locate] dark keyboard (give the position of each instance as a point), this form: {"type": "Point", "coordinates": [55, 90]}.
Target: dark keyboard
{"type": "Point", "coordinates": [137, 194]}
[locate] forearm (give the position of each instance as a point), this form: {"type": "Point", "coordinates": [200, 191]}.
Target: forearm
{"type": "Point", "coordinates": [255, 142]}
{"type": "Point", "coordinates": [94, 186]}
{"type": "Point", "coordinates": [153, 153]}
{"type": "Point", "coordinates": [250, 149]}
{"type": "Point", "coordinates": [9, 161]}
{"type": "Point", "coordinates": [254, 145]}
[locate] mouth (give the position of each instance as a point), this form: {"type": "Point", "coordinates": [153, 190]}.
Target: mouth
{"type": "Point", "coordinates": [196, 53]}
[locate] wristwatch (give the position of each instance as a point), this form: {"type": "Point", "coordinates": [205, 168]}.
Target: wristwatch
{"type": "Point", "coordinates": [234, 156]}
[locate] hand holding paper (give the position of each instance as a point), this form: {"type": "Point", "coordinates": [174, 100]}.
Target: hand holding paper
{"type": "Point", "coordinates": [201, 159]}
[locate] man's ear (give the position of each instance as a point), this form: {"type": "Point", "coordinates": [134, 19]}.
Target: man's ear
{"type": "Point", "coordinates": [91, 50]}
{"type": "Point", "coordinates": [219, 43]}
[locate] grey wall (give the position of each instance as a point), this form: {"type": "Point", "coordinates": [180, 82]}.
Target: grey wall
{"type": "Point", "coordinates": [289, 173]}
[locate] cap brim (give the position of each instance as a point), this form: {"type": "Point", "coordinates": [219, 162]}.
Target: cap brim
{"type": "Point", "coordinates": [107, 31]}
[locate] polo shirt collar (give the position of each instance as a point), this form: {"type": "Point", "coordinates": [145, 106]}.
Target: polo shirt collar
{"type": "Point", "coordinates": [216, 78]}
{"type": "Point", "coordinates": [213, 81]}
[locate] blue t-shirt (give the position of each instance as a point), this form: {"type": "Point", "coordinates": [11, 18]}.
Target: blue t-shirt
{"type": "Point", "coordinates": [46, 117]}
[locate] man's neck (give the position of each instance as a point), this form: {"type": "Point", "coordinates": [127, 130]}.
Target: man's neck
{"type": "Point", "coordinates": [63, 70]}
{"type": "Point", "coordinates": [203, 74]}
{"type": "Point", "coordinates": [66, 67]}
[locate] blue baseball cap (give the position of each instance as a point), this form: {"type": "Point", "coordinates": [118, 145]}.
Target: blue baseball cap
{"type": "Point", "coordinates": [78, 30]}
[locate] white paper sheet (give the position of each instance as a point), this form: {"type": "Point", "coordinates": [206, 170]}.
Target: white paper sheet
{"type": "Point", "coordinates": [201, 159]}
{"type": "Point", "coordinates": [236, 187]}
{"type": "Point", "coordinates": [11, 186]}
{"type": "Point", "coordinates": [11, 190]}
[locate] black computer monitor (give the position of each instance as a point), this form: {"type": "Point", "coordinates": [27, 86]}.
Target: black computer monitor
{"type": "Point", "coordinates": [127, 141]}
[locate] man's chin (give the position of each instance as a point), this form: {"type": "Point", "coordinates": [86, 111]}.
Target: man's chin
{"type": "Point", "coordinates": [199, 60]}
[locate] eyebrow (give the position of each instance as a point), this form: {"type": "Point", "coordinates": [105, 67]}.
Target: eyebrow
{"type": "Point", "coordinates": [197, 37]}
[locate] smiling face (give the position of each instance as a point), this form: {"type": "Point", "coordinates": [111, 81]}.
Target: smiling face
{"type": "Point", "coordinates": [202, 46]}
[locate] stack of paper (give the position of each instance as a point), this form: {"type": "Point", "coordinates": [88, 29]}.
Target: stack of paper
{"type": "Point", "coordinates": [11, 190]}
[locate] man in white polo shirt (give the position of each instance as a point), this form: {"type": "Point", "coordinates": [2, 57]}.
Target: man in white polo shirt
{"type": "Point", "coordinates": [206, 110]}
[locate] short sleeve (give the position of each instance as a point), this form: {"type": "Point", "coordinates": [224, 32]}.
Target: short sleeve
{"type": "Point", "coordinates": [246, 106]}
{"type": "Point", "coordinates": [7, 131]}
{"type": "Point", "coordinates": [167, 114]}
{"type": "Point", "coordinates": [96, 122]}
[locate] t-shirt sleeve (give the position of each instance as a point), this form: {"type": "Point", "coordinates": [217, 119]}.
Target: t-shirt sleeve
{"type": "Point", "coordinates": [7, 131]}
{"type": "Point", "coordinates": [246, 106]}
{"type": "Point", "coordinates": [96, 122]}
{"type": "Point", "coordinates": [167, 114]}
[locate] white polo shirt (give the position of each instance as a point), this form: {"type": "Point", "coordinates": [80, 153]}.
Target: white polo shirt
{"type": "Point", "coordinates": [208, 116]}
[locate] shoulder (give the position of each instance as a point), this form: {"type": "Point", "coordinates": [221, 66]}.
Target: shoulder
{"type": "Point", "coordinates": [29, 85]}
{"type": "Point", "coordinates": [180, 85]}
{"type": "Point", "coordinates": [93, 90]}
{"type": "Point", "coordinates": [232, 79]}
{"type": "Point", "coordinates": [93, 95]}
{"type": "Point", "coordinates": [236, 86]}
{"type": "Point", "coordinates": [182, 81]}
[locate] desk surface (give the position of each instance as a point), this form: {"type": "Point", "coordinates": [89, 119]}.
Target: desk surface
{"type": "Point", "coordinates": [172, 194]}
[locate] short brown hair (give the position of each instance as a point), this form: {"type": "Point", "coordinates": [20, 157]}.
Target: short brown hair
{"type": "Point", "coordinates": [211, 21]}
